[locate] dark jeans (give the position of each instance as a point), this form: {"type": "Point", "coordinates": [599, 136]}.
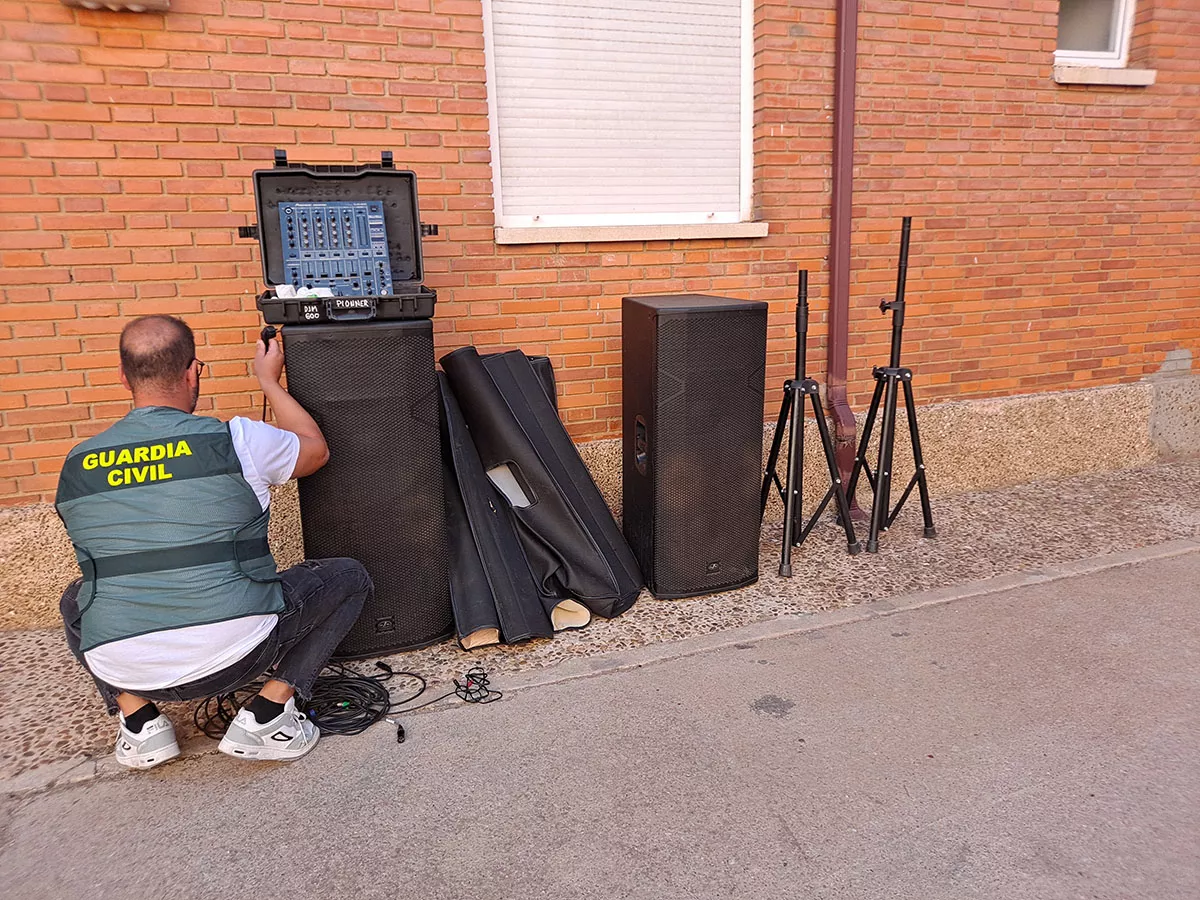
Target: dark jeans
{"type": "Point", "coordinates": [322, 600]}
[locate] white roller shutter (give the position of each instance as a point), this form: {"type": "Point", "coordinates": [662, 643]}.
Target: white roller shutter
{"type": "Point", "coordinates": [618, 111]}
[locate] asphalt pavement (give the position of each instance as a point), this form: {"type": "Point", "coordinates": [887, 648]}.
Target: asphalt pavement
{"type": "Point", "coordinates": [1039, 742]}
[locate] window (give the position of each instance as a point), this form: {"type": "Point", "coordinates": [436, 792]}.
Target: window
{"type": "Point", "coordinates": [620, 112]}
{"type": "Point", "coordinates": [1094, 32]}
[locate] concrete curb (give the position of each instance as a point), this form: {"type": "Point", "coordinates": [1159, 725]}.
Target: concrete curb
{"type": "Point", "coordinates": [81, 769]}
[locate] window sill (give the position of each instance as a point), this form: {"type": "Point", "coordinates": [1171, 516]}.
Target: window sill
{"type": "Point", "coordinates": [576, 234]}
{"type": "Point", "coordinates": [1097, 75]}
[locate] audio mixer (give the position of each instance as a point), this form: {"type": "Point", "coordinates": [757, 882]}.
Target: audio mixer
{"type": "Point", "coordinates": [337, 245]}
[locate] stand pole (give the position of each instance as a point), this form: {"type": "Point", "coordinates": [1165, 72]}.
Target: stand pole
{"type": "Point", "coordinates": [889, 381]}
{"type": "Point", "coordinates": [791, 410]}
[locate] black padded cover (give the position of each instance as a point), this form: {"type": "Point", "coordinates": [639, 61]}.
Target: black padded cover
{"type": "Point", "coordinates": [491, 585]}
{"type": "Point", "coordinates": [568, 533]}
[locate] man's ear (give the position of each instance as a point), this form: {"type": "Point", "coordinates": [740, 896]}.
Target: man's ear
{"type": "Point", "coordinates": [124, 380]}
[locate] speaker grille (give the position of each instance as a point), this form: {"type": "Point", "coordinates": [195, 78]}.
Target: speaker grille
{"type": "Point", "coordinates": [694, 369]}
{"type": "Point", "coordinates": [373, 390]}
{"type": "Point", "coordinates": [709, 450]}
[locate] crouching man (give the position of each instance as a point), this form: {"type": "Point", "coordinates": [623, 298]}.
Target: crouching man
{"type": "Point", "coordinates": [180, 598]}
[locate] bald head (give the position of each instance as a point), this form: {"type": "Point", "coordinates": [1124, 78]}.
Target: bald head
{"type": "Point", "coordinates": [156, 351]}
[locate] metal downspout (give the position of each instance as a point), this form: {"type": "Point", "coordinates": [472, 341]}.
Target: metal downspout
{"type": "Point", "coordinates": [839, 234]}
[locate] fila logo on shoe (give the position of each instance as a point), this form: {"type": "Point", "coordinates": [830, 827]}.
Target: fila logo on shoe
{"type": "Point", "coordinates": [282, 736]}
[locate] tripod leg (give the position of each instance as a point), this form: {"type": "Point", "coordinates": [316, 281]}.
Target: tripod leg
{"type": "Point", "coordinates": [918, 458]}
{"type": "Point", "coordinates": [773, 458]}
{"type": "Point", "coordinates": [835, 476]}
{"type": "Point", "coordinates": [796, 458]}
{"type": "Point", "coordinates": [883, 474]}
{"type": "Point", "coordinates": [860, 458]}
{"type": "Point", "coordinates": [795, 476]}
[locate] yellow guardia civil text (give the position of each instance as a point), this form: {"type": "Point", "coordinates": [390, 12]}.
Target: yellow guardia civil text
{"type": "Point", "coordinates": [137, 465]}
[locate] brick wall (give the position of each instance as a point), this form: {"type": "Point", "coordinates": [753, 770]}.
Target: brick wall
{"type": "Point", "coordinates": [1056, 228]}
{"type": "Point", "coordinates": [1059, 224]}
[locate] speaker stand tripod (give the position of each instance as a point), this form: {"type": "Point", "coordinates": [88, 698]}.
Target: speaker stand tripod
{"type": "Point", "coordinates": [889, 381]}
{"type": "Point", "coordinates": [795, 529]}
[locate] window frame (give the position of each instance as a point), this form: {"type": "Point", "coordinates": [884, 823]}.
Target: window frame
{"type": "Point", "coordinates": [1118, 58]}
{"type": "Point", "coordinates": [627, 223]}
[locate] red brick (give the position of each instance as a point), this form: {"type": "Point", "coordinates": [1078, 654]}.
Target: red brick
{"type": "Point", "coordinates": [1042, 257]}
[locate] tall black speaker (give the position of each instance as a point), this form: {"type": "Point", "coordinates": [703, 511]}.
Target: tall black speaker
{"type": "Point", "coordinates": [692, 390]}
{"type": "Point", "coordinates": [372, 388]}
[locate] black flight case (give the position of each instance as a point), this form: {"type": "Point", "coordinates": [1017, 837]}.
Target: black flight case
{"type": "Point", "coordinates": [353, 230]}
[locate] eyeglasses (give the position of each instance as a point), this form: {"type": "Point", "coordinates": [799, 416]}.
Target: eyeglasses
{"type": "Point", "coordinates": [200, 366]}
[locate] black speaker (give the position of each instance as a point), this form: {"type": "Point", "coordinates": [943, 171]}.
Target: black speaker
{"type": "Point", "coordinates": [693, 370]}
{"type": "Point", "coordinates": [372, 388]}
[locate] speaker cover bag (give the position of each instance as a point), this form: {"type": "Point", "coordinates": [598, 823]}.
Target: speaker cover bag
{"type": "Point", "coordinates": [568, 533]}
{"type": "Point", "coordinates": [475, 615]}
{"type": "Point", "coordinates": [491, 584]}
{"type": "Point", "coordinates": [545, 373]}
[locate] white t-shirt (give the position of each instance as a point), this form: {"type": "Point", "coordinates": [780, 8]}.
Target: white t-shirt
{"type": "Point", "coordinates": [165, 659]}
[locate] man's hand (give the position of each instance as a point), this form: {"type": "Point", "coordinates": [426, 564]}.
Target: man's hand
{"type": "Point", "coordinates": [268, 361]}
{"type": "Point", "coordinates": [289, 415]}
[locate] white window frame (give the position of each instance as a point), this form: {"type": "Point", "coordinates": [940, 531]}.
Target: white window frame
{"type": "Point", "coordinates": [1118, 58]}
{"type": "Point", "coordinates": [557, 227]}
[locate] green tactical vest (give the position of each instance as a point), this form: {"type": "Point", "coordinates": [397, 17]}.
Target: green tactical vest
{"type": "Point", "coordinates": [167, 530]}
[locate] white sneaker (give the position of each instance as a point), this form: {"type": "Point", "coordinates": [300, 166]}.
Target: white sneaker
{"type": "Point", "coordinates": [288, 736]}
{"type": "Point", "coordinates": [154, 744]}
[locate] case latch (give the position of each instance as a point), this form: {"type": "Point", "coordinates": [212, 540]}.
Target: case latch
{"type": "Point", "coordinates": [385, 159]}
{"type": "Point", "coordinates": [280, 158]}
{"type": "Point", "coordinates": [248, 231]}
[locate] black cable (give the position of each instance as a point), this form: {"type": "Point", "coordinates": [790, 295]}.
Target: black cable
{"type": "Point", "coordinates": [215, 714]}
{"type": "Point", "coordinates": [343, 701]}
{"type": "Point", "coordinates": [347, 702]}
{"type": "Point", "coordinates": [474, 689]}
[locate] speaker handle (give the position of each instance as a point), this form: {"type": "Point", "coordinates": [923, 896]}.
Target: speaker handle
{"type": "Point", "coordinates": [641, 445]}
